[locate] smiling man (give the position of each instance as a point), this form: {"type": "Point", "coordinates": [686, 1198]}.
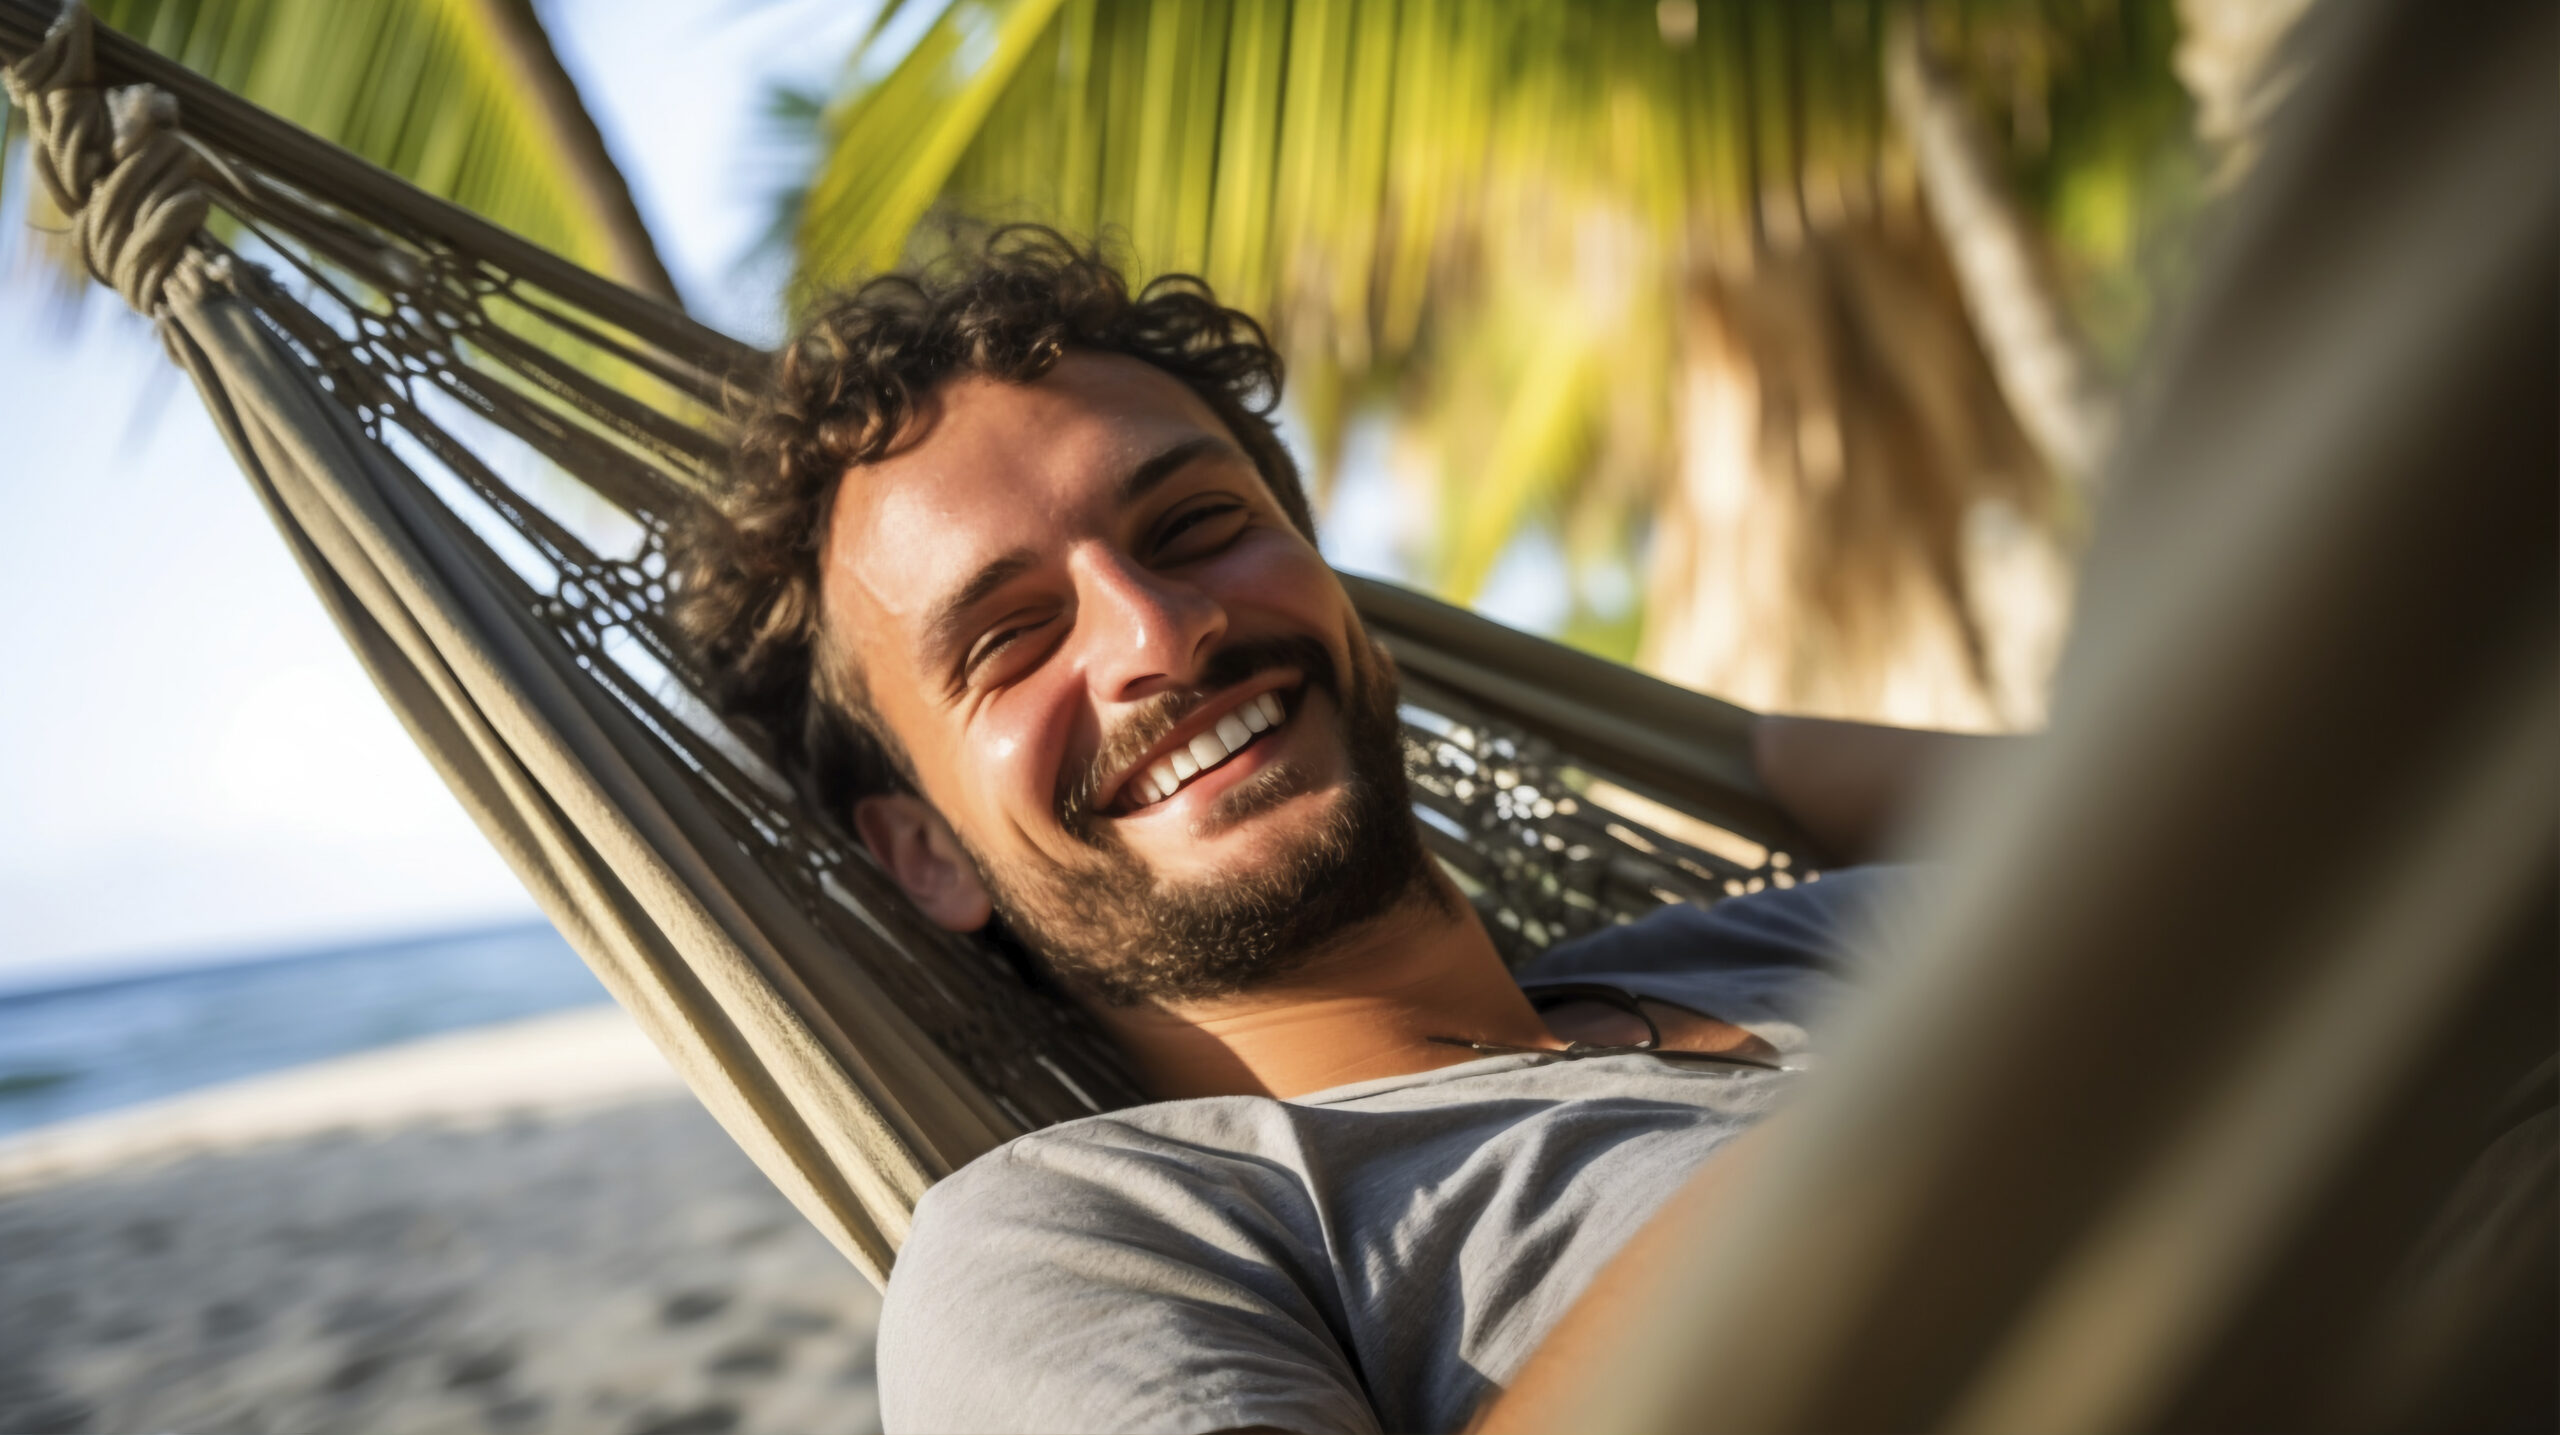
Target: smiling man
{"type": "Point", "coordinates": [1022, 583]}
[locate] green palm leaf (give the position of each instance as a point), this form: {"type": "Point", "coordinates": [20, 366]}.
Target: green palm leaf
{"type": "Point", "coordinates": [925, 113]}
{"type": "Point", "coordinates": [1354, 170]}
{"type": "Point", "coordinates": [1522, 223]}
{"type": "Point", "coordinates": [463, 97]}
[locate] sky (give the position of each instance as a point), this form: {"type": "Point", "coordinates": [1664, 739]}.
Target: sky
{"type": "Point", "coordinates": [192, 766]}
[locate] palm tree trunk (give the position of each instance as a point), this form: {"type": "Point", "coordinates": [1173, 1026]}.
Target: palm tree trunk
{"type": "Point", "coordinates": [2044, 368]}
{"type": "Point", "coordinates": [1857, 525]}
{"type": "Point", "coordinates": [2233, 56]}
{"type": "Point", "coordinates": [600, 189]}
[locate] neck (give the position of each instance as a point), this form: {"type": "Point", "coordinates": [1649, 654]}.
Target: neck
{"type": "Point", "coordinates": [1366, 1007]}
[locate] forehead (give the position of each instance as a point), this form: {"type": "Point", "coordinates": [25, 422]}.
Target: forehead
{"type": "Point", "coordinates": [996, 467]}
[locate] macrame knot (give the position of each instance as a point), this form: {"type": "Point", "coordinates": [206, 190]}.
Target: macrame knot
{"type": "Point", "coordinates": [113, 160]}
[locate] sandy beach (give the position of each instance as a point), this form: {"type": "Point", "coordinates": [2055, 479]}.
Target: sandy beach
{"type": "Point", "coordinates": [518, 1229]}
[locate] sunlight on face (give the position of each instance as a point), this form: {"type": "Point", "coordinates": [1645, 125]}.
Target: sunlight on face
{"type": "Point", "coordinates": [1129, 684]}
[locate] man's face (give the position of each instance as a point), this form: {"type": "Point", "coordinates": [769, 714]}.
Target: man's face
{"type": "Point", "coordinates": [1133, 690]}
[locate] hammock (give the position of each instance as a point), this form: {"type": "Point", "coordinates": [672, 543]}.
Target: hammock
{"type": "Point", "coordinates": [476, 451]}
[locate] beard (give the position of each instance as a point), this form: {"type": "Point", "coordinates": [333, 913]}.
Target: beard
{"type": "Point", "coordinates": [1108, 923]}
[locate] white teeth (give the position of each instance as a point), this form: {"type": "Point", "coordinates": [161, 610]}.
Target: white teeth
{"type": "Point", "coordinates": [1230, 735]}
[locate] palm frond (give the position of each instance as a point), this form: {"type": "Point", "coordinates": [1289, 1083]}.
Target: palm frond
{"type": "Point", "coordinates": [463, 97]}
{"type": "Point", "coordinates": [1348, 168]}
{"type": "Point", "coordinates": [927, 112]}
{"type": "Point", "coordinates": [1503, 217]}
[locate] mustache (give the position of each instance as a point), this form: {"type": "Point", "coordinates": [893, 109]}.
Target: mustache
{"type": "Point", "coordinates": [1138, 730]}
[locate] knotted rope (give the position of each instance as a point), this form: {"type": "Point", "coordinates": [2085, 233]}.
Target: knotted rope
{"type": "Point", "coordinates": [113, 160]}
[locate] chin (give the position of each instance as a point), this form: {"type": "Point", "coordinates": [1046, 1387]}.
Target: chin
{"type": "Point", "coordinates": [1270, 819]}
{"type": "Point", "coordinates": [1281, 796]}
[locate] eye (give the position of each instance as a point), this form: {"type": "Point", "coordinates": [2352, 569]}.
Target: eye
{"type": "Point", "coordinates": [1198, 531]}
{"type": "Point", "coordinates": [996, 643]}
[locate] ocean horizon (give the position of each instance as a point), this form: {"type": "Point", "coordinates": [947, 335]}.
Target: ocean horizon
{"type": "Point", "coordinates": [74, 1047]}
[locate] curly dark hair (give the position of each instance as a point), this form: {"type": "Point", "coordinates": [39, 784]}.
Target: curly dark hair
{"type": "Point", "coordinates": [845, 391]}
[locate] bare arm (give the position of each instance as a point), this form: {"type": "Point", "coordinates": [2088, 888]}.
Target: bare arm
{"type": "Point", "coordinates": [1851, 785]}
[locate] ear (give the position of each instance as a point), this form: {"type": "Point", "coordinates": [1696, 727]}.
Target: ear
{"type": "Point", "coordinates": [910, 839]}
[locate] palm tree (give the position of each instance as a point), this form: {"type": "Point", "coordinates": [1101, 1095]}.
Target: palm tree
{"type": "Point", "coordinates": [1841, 387]}
{"type": "Point", "coordinates": [466, 98]}
{"type": "Point", "coordinates": [1661, 273]}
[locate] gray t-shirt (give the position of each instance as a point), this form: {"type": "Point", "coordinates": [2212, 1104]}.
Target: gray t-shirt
{"type": "Point", "coordinates": [1380, 1256]}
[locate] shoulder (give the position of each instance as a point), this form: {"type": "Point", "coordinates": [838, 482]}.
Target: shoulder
{"type": "Point", "coordinates": [1166, 1160]}
{"type": "Point", "coordinates": [1119, 1272]}
{"type": "Point", "coordinates": [1125, 1179]}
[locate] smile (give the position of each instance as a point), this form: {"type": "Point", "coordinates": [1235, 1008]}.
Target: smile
{"type": "Point", "coordinates": [1235, 730]}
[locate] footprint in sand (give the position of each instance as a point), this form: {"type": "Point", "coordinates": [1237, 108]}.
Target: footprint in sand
{"type": "Point", "coordinates": [687, 1307]}
{"type": "Point", "coordinates": [752, 1358]}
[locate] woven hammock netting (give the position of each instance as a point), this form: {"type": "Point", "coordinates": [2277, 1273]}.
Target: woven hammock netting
{"type": "Point", "coordinates": [529, 434]}
{"type": "Point", "coordinates": [2224, 958]}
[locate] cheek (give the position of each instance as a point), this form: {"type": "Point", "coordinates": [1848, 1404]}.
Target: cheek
{"type": "Point", "coordinates": [1281, 574]}
{"type": "Point", "coordinates": [973, 771]}
{"type": "Point", "coordinates": [1012, 752]}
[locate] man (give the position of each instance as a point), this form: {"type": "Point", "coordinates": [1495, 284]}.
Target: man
{"type": "Point", "coordinates": [1021, 580]}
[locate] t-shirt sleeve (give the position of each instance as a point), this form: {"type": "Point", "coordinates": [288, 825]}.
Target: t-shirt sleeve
{"type": "Point", "coordinates": [1855, 917]}
{"type": "Point", "coordinates": [1778, 962]}
{"type": "Point", "coordinates": [1139, 1284]}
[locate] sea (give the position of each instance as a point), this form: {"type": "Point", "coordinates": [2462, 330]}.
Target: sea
{"type": "Point", "coordinates": [74, 1050]}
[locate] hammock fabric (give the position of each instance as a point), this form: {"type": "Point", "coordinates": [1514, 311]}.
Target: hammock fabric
{"type": "Point", "coordinates": [2134, 1141]}
{"type": "Point", "coordinates": [476, 450]}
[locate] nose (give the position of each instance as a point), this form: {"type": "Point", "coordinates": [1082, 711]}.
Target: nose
{"type": "Point", "coordinates": [1143, 632]}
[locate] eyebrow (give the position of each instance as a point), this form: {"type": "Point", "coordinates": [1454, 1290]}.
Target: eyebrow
{"type": "Point", "coordinates": [1143, 479]}
{"type": "Point", "coordinates": [950, 616]}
